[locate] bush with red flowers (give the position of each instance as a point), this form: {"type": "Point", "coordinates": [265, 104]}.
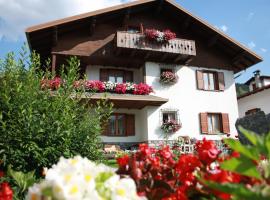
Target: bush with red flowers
{"type": "Point", "coordinates": [161, 175]}
{"type": "Point", "coordinates": [159, 36]}
{"type": "Point", "coordinates": [168, 77]}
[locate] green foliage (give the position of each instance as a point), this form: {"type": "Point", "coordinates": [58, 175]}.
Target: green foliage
{"type": "Point", "coordinates": [39, 126]}
{"type": "Point", "coordinates": [241, 89]}
{"type": "Point", "coordinates": [249, 164]}
{"type": "Point", "coordinates": [20, 182]}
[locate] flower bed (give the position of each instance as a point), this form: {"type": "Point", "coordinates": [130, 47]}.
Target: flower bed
{"type": "Point", "coordinates": [168, 77]}
{"type": "Point", "coordinates": [99, 86]}
{"type": "Point", "coordinates": [159, 36]}
{"type": "Point", "coordinates": [171, 126]}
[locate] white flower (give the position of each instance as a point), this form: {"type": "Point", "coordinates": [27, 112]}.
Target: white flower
{"type": "Point", "coordinates": [80, 179]}
{"type": "Point", "coordinates": [109, 85]}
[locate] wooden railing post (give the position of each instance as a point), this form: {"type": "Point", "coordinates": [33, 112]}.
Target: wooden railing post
{"type": "Point", "coordinates": [53, 63]}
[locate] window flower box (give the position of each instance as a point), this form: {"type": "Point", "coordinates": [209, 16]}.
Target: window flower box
{"type": "Point", "coordinates": [168, 77]}
{"type": "Point", "coordinates": [170, 126]}
{"type": "Point", "coordinates": [159, 36]}
{"type": "Point", "coordinates": [99, 86]}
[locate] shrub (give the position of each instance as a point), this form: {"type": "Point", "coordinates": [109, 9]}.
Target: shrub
{"type": "Point", "coordinates": [39, 125]}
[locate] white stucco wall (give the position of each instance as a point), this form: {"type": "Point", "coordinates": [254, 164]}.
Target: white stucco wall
{"type": "Point", "coordinates": [92, 72]}
{"type": "Point", "coordinates": [266, 82]}
{"type": "Point", "coordinates": [258, 100]}
{"type": "Point", "coordinates": [190, 101]}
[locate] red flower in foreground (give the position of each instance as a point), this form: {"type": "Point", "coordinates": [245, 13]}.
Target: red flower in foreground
{"type": "Point", "coordinates": [207, 151]}
{"type": "Point", "coordinates": [123, 161]}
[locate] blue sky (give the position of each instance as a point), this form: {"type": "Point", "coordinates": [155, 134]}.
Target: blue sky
{"type": "Point", "coordinates": [247, 21]}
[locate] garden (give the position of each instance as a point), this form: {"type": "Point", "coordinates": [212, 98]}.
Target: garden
{"type": "Point", "coordinates": [50, 146]}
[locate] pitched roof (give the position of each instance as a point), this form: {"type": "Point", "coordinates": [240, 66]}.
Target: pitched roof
{"type": "Point", "coordinates": [252, 57]}
{"type": "Point", "coordinates": [267, 87]}
{"type": "Point", "coordinates": [253, 79]}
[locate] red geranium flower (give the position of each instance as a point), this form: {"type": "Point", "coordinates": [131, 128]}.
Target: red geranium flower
{"type": "Point", "coordinates": [120, 88]}
{"type": "Point", "coordinates": [207, 151]}
{"type": "Point", "coordinates": [123, 161]}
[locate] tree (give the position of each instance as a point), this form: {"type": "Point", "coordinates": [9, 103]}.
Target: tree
{"type": "Point", "coordinates": [37, 126]}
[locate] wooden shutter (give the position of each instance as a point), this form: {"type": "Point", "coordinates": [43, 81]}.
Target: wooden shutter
{"type": "Point", "coordinates": [128, 76]}
{"type": "Point", "coordinates": [103, 75]}
{"type": "Point", "coordinates": [204, 123]}
{"type": "Point", "coordinates": [225, 123]}
{"type": "Point", "coordinates": [200, 83]}
{"type": "Point", "coordinates": [221, 81]}
{"type": "Point", "coordinates": [130, 125]}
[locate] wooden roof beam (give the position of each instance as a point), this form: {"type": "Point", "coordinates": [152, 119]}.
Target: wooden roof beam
{"type": "Point", "coordinates": [159, 7]}
{"type": "Point", "coordinates": [126, 17]}
{"type": "Point", "coordinates": [213, 40]}
{"type": "Point", "coordinates": [55, 36]}
{"type": "Point", "coordinates": [92, 25]}
{"type": "Point", "coordinates": [185, 24]}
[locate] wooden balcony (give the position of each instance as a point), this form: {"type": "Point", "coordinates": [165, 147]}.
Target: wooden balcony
{"type": "Point", "coordinates": [175, 48]}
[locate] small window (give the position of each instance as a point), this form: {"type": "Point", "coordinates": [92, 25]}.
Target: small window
{"type": "Point", "coordinates": [214, 123]}
{"type": "Point", "coordinates": [252, 111]}
{"type": "Point", "coordinates": [165, 70]}
{"type": "Point", "coordinates": [133, 29]}
{"type": "Point", "coordinates": [169, 115]}
{"type": "Point", "coordinates": [116, 76]}
{"type": "Point", "coordinates": [210, 80]}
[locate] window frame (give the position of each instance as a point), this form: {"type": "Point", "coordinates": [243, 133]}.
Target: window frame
{"type": "Point", "coordinates": [219, 123]}
{"type": "Point", "coordinates": [170, 111]}
{"type": "Point", "coordinates": [115, 73]}
{"type": "Point", "coordinates": [116, 126]}
{"type": "Point", "coordinates": [215, 80]}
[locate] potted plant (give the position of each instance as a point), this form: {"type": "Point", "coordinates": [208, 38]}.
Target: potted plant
{"type": "Point", "coordinates": [168, 77]}
{"type": "Point", "coordinates": [170, 126]}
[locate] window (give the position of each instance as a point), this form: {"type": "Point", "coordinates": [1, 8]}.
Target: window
{"type": "Point", "coordinates": [116, 76]}
{"type": "Point", "coordinates": [165, 70]}
{"type": "Point", "coordinates": [252, 111]}
{"type": "Point", "coordinates": [214, 123]}
{"type": "Point", "coordinates": [133, 29]}
{"type": "Point", "coordinates": [169, 114]}
{"type": "Point", "coordinates": [120, 124]}
{"type": "Point", "coordinates": [210, 80]}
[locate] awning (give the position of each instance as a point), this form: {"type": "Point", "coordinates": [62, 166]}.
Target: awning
{"type": "Point", "coordinates": [128, 100]}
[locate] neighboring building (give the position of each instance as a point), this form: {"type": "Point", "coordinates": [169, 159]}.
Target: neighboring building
{"type": "Point", "coordinates": [112, 47]}
{"type": "Point", "coordinates": [258, 97]}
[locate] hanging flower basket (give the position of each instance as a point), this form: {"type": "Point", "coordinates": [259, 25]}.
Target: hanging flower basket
{"type": "Point", "coordinates": [168, 77]}
{"type": "Point", "coordinates": [171, 126]}
{"type": "Point", "coordinates": [159, 36]}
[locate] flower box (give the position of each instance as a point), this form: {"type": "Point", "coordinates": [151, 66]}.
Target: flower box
{"type": "Point", "coordinates": [168, 77]}
{"type": "Point", "coordinates": [159, 36]}
{"type": "Point", "coordinates": [171, 126]}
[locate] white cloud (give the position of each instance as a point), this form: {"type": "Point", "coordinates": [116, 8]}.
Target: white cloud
{"type": "Point", "coordinates": [17, 15]}
{"type": "Point", "coordinates": [250, 16]}
{"type": "Point", "coordinates": [263, 50]}
{"type": "Point", "coordinates": [223, 28]}
{"type": "Point", "coordinates": [251, 45]}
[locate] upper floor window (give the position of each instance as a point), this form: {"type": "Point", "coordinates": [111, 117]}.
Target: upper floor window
{"type": "Point", "coordinates": [214, 123]}
{"type": "Point", "coordinates": [120, 124]}
{"type": "Point", "coordinates": [252, 111]}
{"type": "Point", "coordinates": [210, 80]}
{"type": "Point", "coordinates": [116, 75]}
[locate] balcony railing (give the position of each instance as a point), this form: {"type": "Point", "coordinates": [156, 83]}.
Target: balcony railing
{"type": "Point", "coordinates": [138, 41]}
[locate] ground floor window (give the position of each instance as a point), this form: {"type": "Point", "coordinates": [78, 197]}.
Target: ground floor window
{"type": "Point", "coordinates": [120, 124]}
{"type": "Point", "coordinates": [214, 123]}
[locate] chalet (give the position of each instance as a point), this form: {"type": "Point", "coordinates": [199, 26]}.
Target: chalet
{"type": "Point", "coordinates": [258, 96]}
{"type": "Point", "coordinates": [190, 68]}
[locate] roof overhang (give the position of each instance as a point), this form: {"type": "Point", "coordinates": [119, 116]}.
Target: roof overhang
{"type": "Point", "coordinates": [41, 35]}
{"type": "Point", "coordinates": [127, 100]}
